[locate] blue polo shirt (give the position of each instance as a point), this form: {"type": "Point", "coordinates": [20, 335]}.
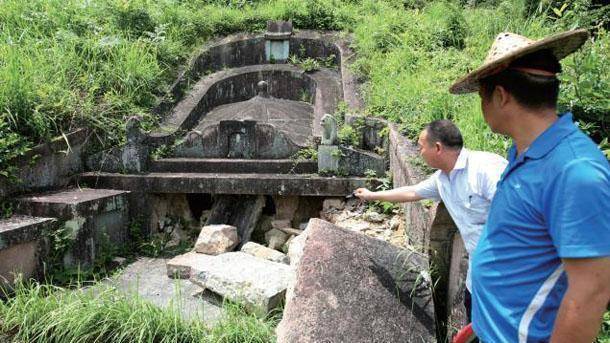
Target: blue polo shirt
{"type": "Point", "coordinates": [552, 202]}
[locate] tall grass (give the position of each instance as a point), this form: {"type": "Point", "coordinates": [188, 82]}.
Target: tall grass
{"type": "Point", "coordinates": [48, 314]}
{"type": "Point", "coordinates": [74, 63]}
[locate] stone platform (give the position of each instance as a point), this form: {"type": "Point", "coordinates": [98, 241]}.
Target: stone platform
{"type": "Point", "coordinates": [21, 246]}
{"type": "Point", "coordinates": [89, 217]}
{"type": "Point", "coordinates": [272, 184]}
{"type": "Point", "coordinates": [230, 165]}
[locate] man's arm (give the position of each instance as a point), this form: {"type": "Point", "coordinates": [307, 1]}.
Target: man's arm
{"type": "Point", "coordinates": [402, 194]}
{"type": "Point", "coordinates": [585, 300]}
{"type": "Point", "coordinates": [424, 190]}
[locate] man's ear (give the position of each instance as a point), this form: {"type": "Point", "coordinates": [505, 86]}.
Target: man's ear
{"type": "Point", "coordinates": [501, 96]}
{"type": "Point", "coordinates": [438, 146]}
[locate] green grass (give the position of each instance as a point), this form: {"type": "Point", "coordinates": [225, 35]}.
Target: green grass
{"type": "Point", "coordinates": [47, 314]}
{"type": "Point", "coordinates": [76, 63]}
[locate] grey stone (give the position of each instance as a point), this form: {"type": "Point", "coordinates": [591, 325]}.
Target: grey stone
{"type": "Point", "coordinates": [147, 278]}
{"type": "Point", "coordinates": [235, 165]}
{"type": "Point", "coordinates": [333, 203]}
{"type": "Point", "coordinates": [180, 267]}
{"type": "Point", "coordinates": [286, 206]}
{"type": "Point", "coordinates": [216, 239]}
{"type": "Point", "coordinates": [279, 224]}
{"type": "Point", "coordinates": [329, 130]}
{"type": "Point", "coordinates": [295, 248]}
{"type": "Point", "coordinates": [395, 222]}
{"type": "Point", "coordinates": [263, 252]}
{"type": "Point", "coordinates": [329, 157]}
{"type": "Point", "coordinates": [241, 211]}
{"type": "Point", "coordinates": [361, 162]}
{"type": "Point", "coordinates": [90, 218]}
{"type": "Point", "coordinates": [291, 231]}
{"type": "Point", "coordinates": [275, 238]}
{"type": "Point", "coordinates": [373, 217]}
{"type": "Point", "coordinates": [278, 29]}
{"type": "Point", "coordinates": [134, 156]}
{"type": "Point", "coordinates": [353, 288]}
{"type": "Point", "coordinates": [257, 283]}
{"type": "Point", "coordinates": [273, 184]}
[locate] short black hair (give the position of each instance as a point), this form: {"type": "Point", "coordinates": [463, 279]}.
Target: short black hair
{"type": "Point", "coordinates": [530, 90]}
{"type": "Point", "coordinates": [446, 132]}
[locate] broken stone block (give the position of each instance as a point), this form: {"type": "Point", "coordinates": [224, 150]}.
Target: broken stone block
{"type": "Point", "coordinates": [332, 203]}
{"type": "Point", "coordinates": [241, 211]}
{"type": "Point", "coordinates": [257, 283]}
{"type": "Point", "coordinates": [353, 288]}
{"type": "Point", "coordinates": [216, 239]}
{"type": "Point", "coordinates": [291, 231]}
{"type": "Point", "coordinates": [180, 267]}
{"type": "Point", "coordinates": [395, 223]}
{"type": "Point", "coordinates": [295, 249]}
{"type": "Point", "coordinates": [279, 224]}
{"type": "Point", "coordinates": [275, 238]}
{"type": "Point", "coordinates": [287, 244]}
{"type": "Point", "coordinates": [263, 252]}
{"type": "Point", "coordinates": [373, 217]}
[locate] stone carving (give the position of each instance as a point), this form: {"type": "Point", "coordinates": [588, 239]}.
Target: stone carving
{"type": "Point", "coordinates": [192, 138]}
{"type": "Point", "coordinates": [262, 88]}
{"type": "Point", "coordinates": [329, 126]}
{"type": "Point", "coordinates": [134, 156]}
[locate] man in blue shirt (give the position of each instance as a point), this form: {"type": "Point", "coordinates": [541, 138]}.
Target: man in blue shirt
{"type": "Point", "coordinates": [541, 270]}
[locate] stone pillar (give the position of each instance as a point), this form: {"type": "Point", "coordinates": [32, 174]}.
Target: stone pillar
{"type": "Point", "coordinates": [277, 41]}
{"type": "Point", "coordinates": [329, 154]}
{"type": "Point", "coordinates": [134, 156]}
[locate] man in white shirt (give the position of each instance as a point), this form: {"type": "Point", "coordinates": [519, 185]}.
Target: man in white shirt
{"type": "Point", "coordinates": [465, 181]}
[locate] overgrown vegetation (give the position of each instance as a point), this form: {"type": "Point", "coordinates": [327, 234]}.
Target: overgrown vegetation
{"type": "Point", "coordinates": [48, 314]}
{"type": "Point", "coordinates": [74, 63]}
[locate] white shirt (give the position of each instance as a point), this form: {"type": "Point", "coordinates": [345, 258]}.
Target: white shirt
{"type": "Point", "coordinates": [467, 193]}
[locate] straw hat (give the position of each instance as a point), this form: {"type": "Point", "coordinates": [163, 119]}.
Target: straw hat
{"type": "Point", "coordinates": [508, 47]}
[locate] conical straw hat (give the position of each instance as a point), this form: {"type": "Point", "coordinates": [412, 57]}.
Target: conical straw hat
{"type": "Point", "coordinates": [508, 47]}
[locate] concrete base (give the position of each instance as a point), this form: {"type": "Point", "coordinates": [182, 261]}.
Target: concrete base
{"type": "Point", "coordinates": [93, 219]}
{"type": "Point", "coordinates": [272, 184]}
{"type": "Point", "coordinates": [22, 242]}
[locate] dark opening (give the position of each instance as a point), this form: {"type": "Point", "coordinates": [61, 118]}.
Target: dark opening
{"type": "Point", "coordinates": [199, 203]}
{"type": "Point", "coordinates": [269, 208]}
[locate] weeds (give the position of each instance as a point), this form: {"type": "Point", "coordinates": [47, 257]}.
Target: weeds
{"type": "Point", "coordinates": [47, 314]}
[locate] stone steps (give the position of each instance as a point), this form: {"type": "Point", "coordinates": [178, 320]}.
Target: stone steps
{"type": "Point", "coordinates": [228, 183]}
{"type": "Point", "coordinates": [21, 246]}
{"type": "Point", "coordinates": [225, 165]}
{"type": "Point", "coordinates": [90, 218]}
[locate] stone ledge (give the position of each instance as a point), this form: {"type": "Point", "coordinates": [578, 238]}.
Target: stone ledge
{"type": "Point", "coordinates": [66, 204]}
{"type": "Point", "coordinates": [20, 229]}
{"type": "Point", "coordinates": [225, 165]}
{"type": "Point", "coordinates": [273, 184]}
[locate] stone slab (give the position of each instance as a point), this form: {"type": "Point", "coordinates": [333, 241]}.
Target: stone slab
{"type": "Point", "coordinates": [217, 183]}
{"type": "Point", "coordinates": [20, 229]}
{"type": "Point", "coordinates": [67, 204]}
{"type": "Point", "coordinates": [263, 252]}
{"type": "Point", "coordinates": [241, 211]}
{"type": "Point", "coordinates": [227, 165]}
{"type": "Point", "coordinates": [353, 288]}
{"type": "Point", "coordinates": [147, 278]}
{"type": "Point", "coordinates": [257, 283]}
